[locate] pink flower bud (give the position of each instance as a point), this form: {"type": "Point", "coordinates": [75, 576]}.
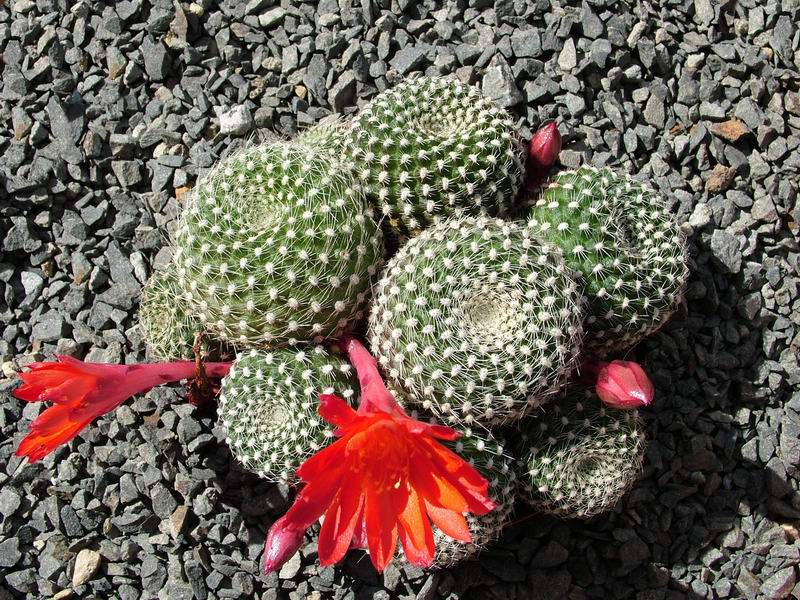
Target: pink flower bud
{"type": "Point", "coordinates": [282, 542]}
{"type": "Point", "coordinates": [543, 151]}
{"type": "Point", "coordinates": [624, 384]}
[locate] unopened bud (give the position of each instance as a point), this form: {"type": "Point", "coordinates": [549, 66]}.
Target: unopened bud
{"type": "Point", "coordinates": [282, 542]}
{"type": "Point", "coordinates": [624, 384]}
{"type": "Point", "coordinates": [543, 151]}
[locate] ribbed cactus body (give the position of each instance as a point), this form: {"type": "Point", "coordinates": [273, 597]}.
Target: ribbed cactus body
{"type": "Point", "coordinates": [275, 246]}
{"type": "Point", "coordinates": [620, 237]}
{"type": "Point", "coordinates": [433, 147]}
{"type": "Point", "coordinates": [167, 326]}
{"type": "Point", "coordinates": [492, 459]}
{"type": "Point", "coordinates": [579, 457]}
{"type": "Point", "coordinates": [476, 320]}
{"type": "Point", "coordinates": [268, 406]}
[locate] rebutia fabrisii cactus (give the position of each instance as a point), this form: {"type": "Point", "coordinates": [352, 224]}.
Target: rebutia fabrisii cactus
{"type": "Point", "coordinates": [434, 147]}
{"type": "Point", "coordinates": [277, 245]}
{"type": "Point", "coordinates": [268, 406]}
{"type": "Point", "coordinates": [476, 320]}
{"type": "Point", "coordinates": [580, 457]}
{"type": "Point", "coordinates": [167, 327]}
{"type": "Point", "coordinates": [620, 237]}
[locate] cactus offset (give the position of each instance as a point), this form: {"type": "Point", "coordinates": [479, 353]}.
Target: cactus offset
{"type": "Point", "coordinates": [580, 457]}
{"type": "Point", "coordinates": [433, 147]}
{"type": "Point", "coordinates": [619, 236]}
{"type": "Point", "coordinates": [477, 320]}
{"type": "Point", "coordinates": [167, 326]}
{"type": "Point", "coordinates": [268, 406]}
{"type": "Point", "coordinates": [277, 246]}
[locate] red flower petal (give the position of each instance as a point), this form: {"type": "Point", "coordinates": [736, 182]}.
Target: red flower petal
{"type": "Point", "coordinates": [339, 525]}
{"type": "Point", "coordinates": [448, 466]}
{"type": "Point", "coordinates": [336, 411]}
{"type": "Point", "coordinates": [314, 499]}
{"type": "Point", "coordinates": [381, 523]}
{"type": "Point", "coordinates": [450, 522]}
{"type": "Point", "coordinates": [55, 426]}
{"type": "Point", "coordinates": [416, 534]}
{"type": "Point", "coordinates": [321, 462]}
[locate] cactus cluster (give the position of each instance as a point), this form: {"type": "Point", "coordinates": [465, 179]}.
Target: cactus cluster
{"type": "Point", "coordinates": [276, 246]}
{"type": "Point", "coordinates": [476, 319]}
{"type": "Point", "coordinates": [432, 148]}
{"type": "Point", "coordinates": [580, 457]}
{"type": "Point", "coordinates": [628, 250]}
{"type": "Point", "coordinates": [268, 406]}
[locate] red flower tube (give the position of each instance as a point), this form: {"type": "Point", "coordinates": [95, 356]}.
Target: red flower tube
{"type": "Point", "coordinates": [386, 474]}
{"type": "Point", "coordinates": [81, 392]}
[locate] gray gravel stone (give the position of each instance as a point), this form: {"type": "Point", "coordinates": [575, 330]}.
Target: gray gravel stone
{"type": "Point", "coordinates": [236, 120]}
{"type": "Point", "coordinates": [568, 58]}
{"type": "Point", "coordinates": [10, 554]}
{"type": "Point", "coordinates": [780, 585]}
{"type": "Point", "coordinates": [726, 249]}
{"type": "Point", "coordinates": [408, 59]}
{"type": "Point", "coordinates": [156, 59]}
{"type": "Point", "coordinates": [498, 84]}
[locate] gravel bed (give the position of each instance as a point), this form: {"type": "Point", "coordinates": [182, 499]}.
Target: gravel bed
{"type": "Point", "coordinates": [108, 111]}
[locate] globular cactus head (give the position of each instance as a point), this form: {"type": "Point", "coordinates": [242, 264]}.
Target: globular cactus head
{"type": "Point", "coordinates": [626, 246]}
{"type": "Point", "coordinates": [167, 326]}
{"type": "Point", "coordinates": [276, 245]}
{"type": "Point", "coordinates": [434, 147]}
{"type": "Point", "coordinates": [268, 406]}
{"type": "Point", "coordinates": [579, 457]}
{"type": "Point", "coordinates": [476, 320]}
{"type": "Point", "coordinates": [490, 456]}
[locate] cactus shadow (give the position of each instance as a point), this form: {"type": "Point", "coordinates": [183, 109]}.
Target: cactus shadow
{"type": "Point", "coordinates": [714, 486]}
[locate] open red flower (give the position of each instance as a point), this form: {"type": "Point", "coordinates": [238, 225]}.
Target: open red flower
{"type": "Point", "coordinates": [387, 473]}
{"type": "Point", "coordinates": [82, 391]}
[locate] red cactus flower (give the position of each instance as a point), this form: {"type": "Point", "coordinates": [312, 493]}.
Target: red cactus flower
{"type": "Point", "coordinates": [81, 392]}
{"type": "Point", "coordinates": [386, 473]}
{"type": "Point", "coordinates": [624, 384]}
{"type": "Point", "coordinates": [543, 151]}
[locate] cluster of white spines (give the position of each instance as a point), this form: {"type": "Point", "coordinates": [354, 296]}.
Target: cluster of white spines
{"type": "Point", "coordinates": [433, 147]}
{"type": "Point", "coordinates": [164, 320]}
{"type": "Point", "coordinates": [268, 406]}
{"type": "Point", "coordinates": [277, 245]}
{"type": "Point", "coordinates": [621, 237]}
{"type": "Point", "coordinates": [581, 457]}
{"type": "Point", "coordinates": [477, 320]}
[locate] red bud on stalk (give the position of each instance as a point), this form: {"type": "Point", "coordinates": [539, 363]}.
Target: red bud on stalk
{"type": "Point", "coordinates": [281, 545]}
{"type": "Point", "coordinates": [543, 151]}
